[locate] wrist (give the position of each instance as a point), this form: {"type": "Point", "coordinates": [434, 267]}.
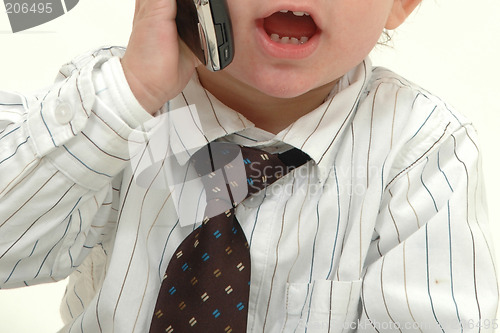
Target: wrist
{"type": "Point", "coordinates": [146, 99]}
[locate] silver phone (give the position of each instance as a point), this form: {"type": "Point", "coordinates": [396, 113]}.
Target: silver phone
{"type": "Point", "coordinates": [205, 27]}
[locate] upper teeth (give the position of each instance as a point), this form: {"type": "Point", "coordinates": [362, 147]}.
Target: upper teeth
{"type": "Point", "coordinates": [295, 13]}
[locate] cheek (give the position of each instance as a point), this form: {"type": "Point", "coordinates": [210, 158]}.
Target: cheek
{"type": "Point", "coordinates": [358, 25]}
{"type": "Point", "coordinates": [348, 46]}
{"type": "Point", "coordinates": [353, 48]}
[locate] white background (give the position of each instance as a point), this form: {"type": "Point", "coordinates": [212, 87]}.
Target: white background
{"type": "Point", "coordinates": [450, 47]}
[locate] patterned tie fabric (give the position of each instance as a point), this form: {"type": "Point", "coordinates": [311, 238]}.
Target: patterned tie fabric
{"type": "Point", "coordinates": [207, 281]}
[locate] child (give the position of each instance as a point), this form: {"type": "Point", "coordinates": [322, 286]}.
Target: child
{"type": "Point", "coordinates": [383, 230]}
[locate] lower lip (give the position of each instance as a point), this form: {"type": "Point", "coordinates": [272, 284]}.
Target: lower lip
{"type": "Point", "coordinates": [286, 51]}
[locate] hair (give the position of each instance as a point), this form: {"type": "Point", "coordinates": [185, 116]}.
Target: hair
{"type": "Point", "coordinates": [385, 38]}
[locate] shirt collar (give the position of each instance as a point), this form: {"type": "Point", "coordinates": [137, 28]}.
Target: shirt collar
{"type": "Point", "coordinates": [319, 132]}
{"type": "Point", "coordinates": [197, 117]}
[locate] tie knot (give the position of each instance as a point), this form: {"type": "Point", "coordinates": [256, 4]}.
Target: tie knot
{"type": "Point", "coordinates": [231, 172]}
{"type": "Point", "coordinates": [221, 169]}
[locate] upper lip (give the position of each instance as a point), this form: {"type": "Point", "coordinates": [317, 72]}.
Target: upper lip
{"type": "Point", "coordinates": [294, 7]}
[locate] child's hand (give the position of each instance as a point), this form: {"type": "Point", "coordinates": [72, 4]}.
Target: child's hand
{"type": "Point", "coordinates": [157, 64]}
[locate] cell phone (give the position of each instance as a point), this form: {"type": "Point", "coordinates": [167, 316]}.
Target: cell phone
{"type": "Point", "coordinates": [205, 27]}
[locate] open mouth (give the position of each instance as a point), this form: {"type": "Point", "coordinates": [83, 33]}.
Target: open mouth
{"type": "Point", "coordinates": [289, 27]}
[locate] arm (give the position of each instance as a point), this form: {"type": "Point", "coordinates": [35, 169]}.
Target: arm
{"type": "Point", "coordinates": [435, 270]}
{"type": "Point", "coordinates": [59, 152]}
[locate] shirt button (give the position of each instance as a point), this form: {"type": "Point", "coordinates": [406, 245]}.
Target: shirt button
{"type": "Point", "coordinates": [64, 113]}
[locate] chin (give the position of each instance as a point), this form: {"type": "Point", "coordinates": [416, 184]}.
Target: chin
{"type": "Point", "coordinates": [284, 92]}
{"type": "Point", "coordinates": [283, 83]}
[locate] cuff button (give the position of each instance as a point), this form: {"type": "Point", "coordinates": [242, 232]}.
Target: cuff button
{"type": "Point", "coordinates": [63, 113]}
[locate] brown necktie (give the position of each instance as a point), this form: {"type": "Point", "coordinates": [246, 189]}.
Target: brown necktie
{"type": "Point", "coordinates": [207, 282]}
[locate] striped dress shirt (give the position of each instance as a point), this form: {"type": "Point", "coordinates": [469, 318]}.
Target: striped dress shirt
{"type": "Point", "coordinates": [384, 230]}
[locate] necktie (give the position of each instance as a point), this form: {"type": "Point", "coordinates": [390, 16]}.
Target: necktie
{"type": "Point", "coordinates": [207, 281]}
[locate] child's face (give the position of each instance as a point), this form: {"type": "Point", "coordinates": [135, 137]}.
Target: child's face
{"type": "Point", "coordinates": [340, 34]}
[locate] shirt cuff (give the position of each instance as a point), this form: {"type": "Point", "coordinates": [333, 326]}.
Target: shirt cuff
{"type": "Point", "coordinates": [111, 83]}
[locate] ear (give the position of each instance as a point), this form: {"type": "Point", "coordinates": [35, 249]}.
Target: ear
{"type": "Point", "coordinates": [401, 9]}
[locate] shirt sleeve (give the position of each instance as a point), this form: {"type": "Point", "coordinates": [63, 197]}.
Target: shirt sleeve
{"type": "Point", "coordinates": [432, 267]}
{"type": "Point", "coordinates": [60, 151]}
